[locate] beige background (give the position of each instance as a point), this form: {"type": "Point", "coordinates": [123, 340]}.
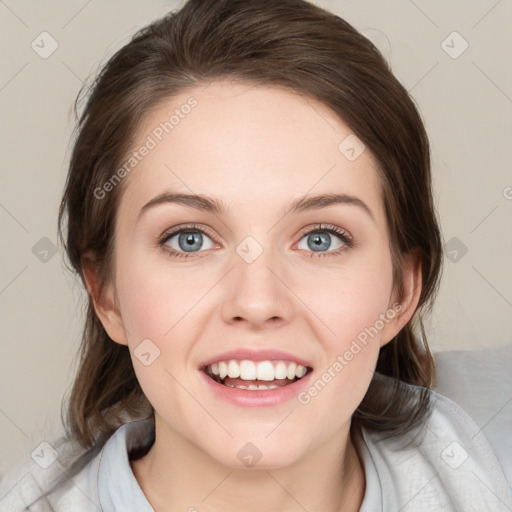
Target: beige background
{"type": "Point", "coordinates": [466, 103]}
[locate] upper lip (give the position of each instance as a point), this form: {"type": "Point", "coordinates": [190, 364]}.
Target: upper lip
{"type": "Point", "coordinates": [256, 355]}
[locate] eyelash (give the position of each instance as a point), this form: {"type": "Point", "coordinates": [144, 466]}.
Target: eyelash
{"type": "Point", "coordinates": [326, 228]}
{"type": "Point", "coordinates": [174, 231]}
{"type": "Point", "coordinates": [347, 240]}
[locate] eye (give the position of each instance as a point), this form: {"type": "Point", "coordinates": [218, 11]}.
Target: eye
{"type": "Point", "coordinates": [186, 240]}
{"type": "Point", "coordinates": [324, 238]}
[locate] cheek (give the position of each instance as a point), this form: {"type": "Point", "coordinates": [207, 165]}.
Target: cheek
{"type": "Point", "coordinates": [350, 299]}
{"type": "Point", "coordinates": [157, 302]}
{"type": "Point", "coordinates": [354, 313]}
{"type": "Point", "coordinates": [354, 304]}
{"type": "Point", "coordinates": [160, 312]}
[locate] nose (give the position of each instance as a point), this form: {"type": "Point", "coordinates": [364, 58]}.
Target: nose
{"type": "Point", "coordinates": [256, 294]}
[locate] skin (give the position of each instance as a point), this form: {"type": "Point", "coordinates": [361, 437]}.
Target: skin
{"type": "Point", "coordinates": [256, 149]}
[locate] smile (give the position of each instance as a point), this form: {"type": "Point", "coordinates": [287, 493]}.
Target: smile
{"type": "Point", "coordinates": [256, 375]}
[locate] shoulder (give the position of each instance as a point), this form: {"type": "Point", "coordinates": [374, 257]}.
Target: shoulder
{"type": "Point", "coordinates": [58, 477]}
{"type": "Point", "coordinates": [446, 463]}
{"type": "Point", "coordinates": [479, 381]}
{"type": "Point", "coordinates": [62, 478]}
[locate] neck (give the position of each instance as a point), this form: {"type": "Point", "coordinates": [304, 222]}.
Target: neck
{"type": "Point", "coordinates": [175, 476]}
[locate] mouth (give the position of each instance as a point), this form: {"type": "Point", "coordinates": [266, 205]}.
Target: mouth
{"type": "Point", "coordinates": [256, 375]}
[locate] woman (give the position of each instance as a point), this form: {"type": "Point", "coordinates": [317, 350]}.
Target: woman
{"type": "Point", "coordinates": [249, 205]}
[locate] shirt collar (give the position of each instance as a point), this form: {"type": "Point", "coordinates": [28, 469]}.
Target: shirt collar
{"type": "Point", "coordinates": [118, 488]}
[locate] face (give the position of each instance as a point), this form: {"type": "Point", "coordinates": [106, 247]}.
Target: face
{"type": "Point", "coordinates": [257, 278]}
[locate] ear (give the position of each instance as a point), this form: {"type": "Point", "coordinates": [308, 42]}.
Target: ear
{"type": "Point", "coordinates": [404, 306]}
{"type": "Point", "coordinates": [104, 302]}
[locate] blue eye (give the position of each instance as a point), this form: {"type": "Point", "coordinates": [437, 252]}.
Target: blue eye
{"type": "Point", "coordinates": [325, 240]}
{"type": "Point", "coordinates": [188, 240]}
{"type": "Point", "coordinates": [182, 242]}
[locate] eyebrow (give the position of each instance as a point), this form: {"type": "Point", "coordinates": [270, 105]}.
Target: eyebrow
{"type": "Point", "coordinates": [197, 201]}
{"type": "Point", "coordinates": [204, 203]}
{"type": "Point", "coordinates": [324, 200]}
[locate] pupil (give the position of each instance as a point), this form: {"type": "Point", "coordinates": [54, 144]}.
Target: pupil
{"type": "Point", "coordinates": [319, 241]}
{"type": "Point", "coordinates": [190, 242]}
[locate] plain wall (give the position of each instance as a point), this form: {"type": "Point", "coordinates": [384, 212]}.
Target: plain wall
{"type": "Point", "coordinates": [466, 103]}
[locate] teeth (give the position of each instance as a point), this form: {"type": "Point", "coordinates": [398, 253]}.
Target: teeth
{"type": "Point", "coordinates": [263, 370]}
{"type": "Point", "coordinates": [280, 371]}
{"type": "Point", "coordinates": [271, 386]}
{"type": "Point", "coordinates": [292, 367]}
{"type": "Point", "coordinates": [252, 387]}
{"type": "Point", "coordinates": [223, 369]}
{"type": "Point", "coordinates": [247, 370]}
{"type": "Point", "coordinates": [233, 370]}
{"type": "Point", "coordinates": [300, 371]}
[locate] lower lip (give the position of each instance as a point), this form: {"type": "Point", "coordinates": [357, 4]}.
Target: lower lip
{"type": "Point", "coordinates": [256, 398]}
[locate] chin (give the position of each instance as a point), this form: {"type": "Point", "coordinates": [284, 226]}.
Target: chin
{"type": "Point", "coordinates": [256, 452]}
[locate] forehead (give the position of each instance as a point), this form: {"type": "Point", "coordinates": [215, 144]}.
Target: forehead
{"type": "Point", "coordinates": [242, 143]}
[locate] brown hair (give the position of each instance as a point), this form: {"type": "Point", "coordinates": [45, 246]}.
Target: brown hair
{"type": "Point", "coordinates": [285, 43]}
